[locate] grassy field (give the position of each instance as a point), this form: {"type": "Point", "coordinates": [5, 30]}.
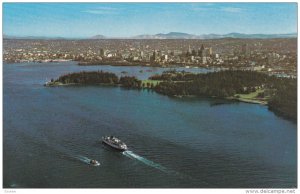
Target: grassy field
{"type": "Point", "coordinates": [251, 97]}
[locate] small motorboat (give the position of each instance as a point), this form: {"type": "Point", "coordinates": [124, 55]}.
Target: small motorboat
{"type": "Point", "coordinates": [94, 163]}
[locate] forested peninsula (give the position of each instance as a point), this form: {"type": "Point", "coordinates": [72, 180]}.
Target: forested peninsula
{"type": "Point", "coordinates": [279, 94]}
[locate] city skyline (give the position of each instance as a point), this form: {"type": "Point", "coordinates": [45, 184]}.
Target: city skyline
{"type": "Point", "coordinates": [80, 20]}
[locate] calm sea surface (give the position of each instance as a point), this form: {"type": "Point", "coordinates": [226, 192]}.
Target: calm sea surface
{"type": "Point", "coordinates": [50, 133]}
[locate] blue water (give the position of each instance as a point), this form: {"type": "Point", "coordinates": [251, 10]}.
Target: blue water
{"type": "Point", "coordinates": [50, 134]}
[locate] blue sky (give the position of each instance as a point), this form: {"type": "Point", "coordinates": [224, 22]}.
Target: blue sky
{"type": "Point", "coordinates": [129, 19]}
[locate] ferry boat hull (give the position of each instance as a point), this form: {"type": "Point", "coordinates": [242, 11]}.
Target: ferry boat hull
{"type": "Point", "coordinates": [116, 147]}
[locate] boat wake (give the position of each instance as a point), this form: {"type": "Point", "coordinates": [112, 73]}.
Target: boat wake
{"type": "Point", "coordinates": [150, 163]}
{"type": "Point", "coordinates": [61, 151]}
{"type": "Point", "coordinates": [82, 159]}
{"type": "Point", "coordinates": [14, 185]}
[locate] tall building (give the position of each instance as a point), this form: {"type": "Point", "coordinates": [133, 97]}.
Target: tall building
{"type": "Point", "coordinates": [190, 50]}
{"type": "Point", "coordinates": [165, 57]}
{"type": "Point", "coordinates": [201, 51]}
{"type": "Point", "coordinates": [101, 52]}
{"type": "Point", "coordinates": [142, 54]}
{"type": "Point", "coordinates": [210, 51]}
{"type": "Point", "coordinates": [154, 56]}
{"type": "Point", "coordinates": [245, 50]}
{"type": "Point", "coordinates": [203, 60]}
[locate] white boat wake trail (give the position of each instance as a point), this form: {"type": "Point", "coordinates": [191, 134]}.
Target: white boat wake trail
{"type": "Point", "coordinates": [82, 159]}
{"type": "Point", "coordinates": [150, 163]}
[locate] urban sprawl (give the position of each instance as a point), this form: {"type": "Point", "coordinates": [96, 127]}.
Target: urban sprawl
{"type": "Point", "coordinates": [273, 56]}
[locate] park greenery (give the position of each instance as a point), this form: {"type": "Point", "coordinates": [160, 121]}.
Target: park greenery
{"type": "Point", "coordinates": [280, 94]}
{"type": "Point", "coordinates": [92, 77]}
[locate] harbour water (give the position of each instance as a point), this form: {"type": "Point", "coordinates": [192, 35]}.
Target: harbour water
{"type": "Point", "coordinates": [50, 134]}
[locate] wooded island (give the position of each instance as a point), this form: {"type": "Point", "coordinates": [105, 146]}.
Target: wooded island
{"type": "Point", "coordinates": [280, 94]}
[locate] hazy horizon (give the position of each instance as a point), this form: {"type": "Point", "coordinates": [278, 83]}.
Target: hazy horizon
{"type": "Point", "coordinates": [80, 20]}
{"type": "Point", "coordinates": [125, 37]}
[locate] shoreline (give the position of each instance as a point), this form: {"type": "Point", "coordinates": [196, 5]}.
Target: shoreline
{"type": "Point", "coordinates": [250, 101]}
{"type": "Point", "coordinates": [58, 84]}
{"type": "Point", "coordinates": [147, 64]}
{"type": "Point", "coordinates": [143, 64]}
{"type": "Point", "coordinates": [261, 102]}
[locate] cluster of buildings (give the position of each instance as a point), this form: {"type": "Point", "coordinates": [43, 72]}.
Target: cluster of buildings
{"type": "Point", "coordinates": [278, 56]}
{"type": "Point", "coordinates": [200, 56]}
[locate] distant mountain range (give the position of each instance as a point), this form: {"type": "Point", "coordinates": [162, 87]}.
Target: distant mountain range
{"type": "Point", "coordinates": [179, 35]}
{"type": "Point", "coordinates": [98, 37]}
{"type": "Point", "coordinates": [173, 35]}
